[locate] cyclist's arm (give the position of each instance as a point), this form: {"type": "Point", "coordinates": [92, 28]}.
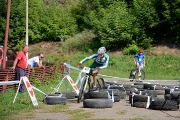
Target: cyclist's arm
{"type": "Point", "coordinates": [134, 59]}
{"type": "Point", "coordinates": [88, 58]}
{"type": "Point", "coordinates": [106, 63]}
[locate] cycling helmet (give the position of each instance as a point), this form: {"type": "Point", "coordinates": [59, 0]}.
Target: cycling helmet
{"type": "Point", "coordinates": [141, 50]}
{"type": "Point", "coordinates": [101, 50]}
{"type": "Point", "coordinates": [104, 49]}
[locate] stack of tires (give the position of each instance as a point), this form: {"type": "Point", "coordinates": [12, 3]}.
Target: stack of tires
{"type": "Point", "coordinates": [172, 93]}
{"type": "Point", "coordinates": [120, 87]}
{"type": "Point", "coordinates": [97, 99]}
{"type": "Point", "coordinates": [140, 101]}
{"type": "Point", "coordinates": [138, 97]}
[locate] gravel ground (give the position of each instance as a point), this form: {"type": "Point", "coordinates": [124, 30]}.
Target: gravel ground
{"type": "Point", "coordinates": [120, 111]}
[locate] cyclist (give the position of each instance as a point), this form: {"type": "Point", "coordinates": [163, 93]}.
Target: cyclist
{"type": "Point", "coordinates": [101, 60]}
{"type": "Point", "coordinates": [139, 60]}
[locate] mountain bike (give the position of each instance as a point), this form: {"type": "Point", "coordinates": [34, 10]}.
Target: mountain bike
{"type": "Point", "coordinates": [86, 80]}
{"type": "Point", "coordinates": [138, 74]}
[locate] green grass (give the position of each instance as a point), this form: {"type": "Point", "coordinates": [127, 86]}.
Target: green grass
{"type": "Point", "coordinates": [157, 67]}
{"type": "Point", "coordinates": [163, 67]}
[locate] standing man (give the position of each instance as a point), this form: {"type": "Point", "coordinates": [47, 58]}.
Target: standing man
{"type": "Point", "coordinates": [19, 66]}
{"type": "Point", "coordinates": [36, 61]}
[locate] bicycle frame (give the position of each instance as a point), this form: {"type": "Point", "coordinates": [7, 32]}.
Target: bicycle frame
{"type": "Point", "coordinates": [81, 76]}
{"type": "Point", "coordinates": [86, 76]}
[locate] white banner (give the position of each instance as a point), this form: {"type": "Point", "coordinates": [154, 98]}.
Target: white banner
{"type": "Point", "coordinates": [30, 90]}
{"type": "Point", "coordinates": [9, 82]}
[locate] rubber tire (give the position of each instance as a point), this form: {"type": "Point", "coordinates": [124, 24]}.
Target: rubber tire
{"type": "Point", "coordinates": [140, 104]}
{"type": "Point", "coordinates": [140, 98]}
{"type": "Point", "coordinates": [115, 91]}
{"type": "Point", "coordinates": [175, 94]}
{"type": "Point", "coordinates": [86, 95]}
{"type": "Point", "coordinates": [116, 98]}
{"type": "Point", "coordinates": [122, 95]}
{"type": "Point", "coordinates": [152, 93]}
{"type": "Point", "coordinates": [55, 100]}
{"type": "Point", "coordinates": [167, 97]}
{"type": "Point", "coordinates": [138, 86]}
{"type": "Point", "coordinates": [164, 105]}
{"type": "Point", "coordinates": [68, 95]}
{"type": "Point", "coordinates": [161, 92]}
{"type": "Point", "coordinates": [148, 86]}
{"type": "Point", "coordinates": [101, 94]}
{"type": "Point", "coordinates": [118, 87]}
{"type": "Point", "coordinates": [97, 103]}
{"type": "Point", "coordinates": [157, 88]}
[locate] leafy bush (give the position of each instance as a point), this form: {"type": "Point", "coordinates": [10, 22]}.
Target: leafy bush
{"type": "Point", "coordinates": [80, 42]}
{"type": "Point", "coordinates": [130, 50]}
{"type": "Point", "coordinates": [20, 45]}
{"type": "Point", "coordinates": [113, 25]}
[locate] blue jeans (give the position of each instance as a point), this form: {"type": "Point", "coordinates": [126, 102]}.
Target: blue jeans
{"type": "Point", "coordinates": [20, 73]}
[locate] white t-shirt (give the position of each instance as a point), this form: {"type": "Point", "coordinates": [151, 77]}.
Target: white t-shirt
{"type": "Point", "coordinates": [33, 61]}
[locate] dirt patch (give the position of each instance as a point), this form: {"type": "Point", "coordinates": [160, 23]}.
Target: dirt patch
{"type": "Point", "coordinates": [120, 110]}
{"type": "Point", "coordinates": [162, 49]}
{"type": "Point", "coordinates": [44, 47]}
{"type": "Point", "coordinates": [54, 47]}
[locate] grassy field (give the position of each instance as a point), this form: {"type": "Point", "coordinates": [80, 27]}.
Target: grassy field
{"type": "Point", "coordinates": [163, 67]}
{"type": "Point", "coordinates": [158, 67]}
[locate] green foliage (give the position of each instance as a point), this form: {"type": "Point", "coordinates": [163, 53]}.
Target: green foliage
{"type": "Point", "coordinates": [20, 45]}
{"type": "Point", "coordinates": [2, 20]}
{"type": "Point", "coordinates": [114, 27]}
{"type": "Point", "coordinates": [131, 49]}
{"type": "Point", "coordinates": [115, 23]}
{"type": "Point", "coordinates": [45, 22]}
{"type": "Point", "coordinates": [80, 42]}
{"type": "Point", "coordinates": [112, 61]}
{"type": "Point", "coordinates": [168, 29]}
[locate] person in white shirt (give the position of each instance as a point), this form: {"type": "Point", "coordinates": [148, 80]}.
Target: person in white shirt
{"type": "Point", "coordinates": [36, 61]}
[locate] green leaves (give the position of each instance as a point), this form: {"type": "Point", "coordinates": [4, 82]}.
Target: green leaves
{"type": "Point", "coordinates": [46, 22]}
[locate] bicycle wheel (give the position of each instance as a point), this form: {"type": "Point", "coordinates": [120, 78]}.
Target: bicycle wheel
{"type": "Point", "coordinates": [90, 83]}
{"type": "Point", "coordinates": [100, 83]}
{"type": "Point", "coordinates": [131, 76]}
{"type": "Point", "coordinates": [140, 75]}
{"type": "Point", "coordinates": [81, 90]}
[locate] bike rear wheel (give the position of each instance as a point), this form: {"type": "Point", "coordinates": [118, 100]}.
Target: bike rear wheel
{"type": "Point", "coordinates": [140, 75]}
{"type": "Point", "coordinates": [81, 90]}
{"type": "Point", "coordinates": [100, 83]}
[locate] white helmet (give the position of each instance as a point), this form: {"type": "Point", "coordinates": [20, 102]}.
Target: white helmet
{"type": "Point", "coordinates": [101, 50]}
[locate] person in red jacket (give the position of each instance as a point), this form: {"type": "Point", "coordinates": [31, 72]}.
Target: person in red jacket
{"type": "Point", "coordinates": [19, 66]}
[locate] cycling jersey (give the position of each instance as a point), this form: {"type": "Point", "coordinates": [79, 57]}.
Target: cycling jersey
{"type": "Point", "coordinates": [103, 63]}
{"type": "Point", "coordinates": [140, 58]}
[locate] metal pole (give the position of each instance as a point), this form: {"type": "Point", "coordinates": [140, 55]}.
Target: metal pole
{"type": "Point", "coordinates": [27, 25]}
{"type": "Point", "coordinates": [6, 34]}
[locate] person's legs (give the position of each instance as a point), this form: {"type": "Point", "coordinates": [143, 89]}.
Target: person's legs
{"type": "Point", "coordinates": [94, 74]}
{"type": "Point", "coordinates": [94, 79]}
{"type": "Point", "coordinates": [20, 73]}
